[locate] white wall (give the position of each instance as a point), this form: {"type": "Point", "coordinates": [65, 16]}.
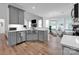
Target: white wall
{"type": "Point", "coordinates": [44, 23]}
{"type": "Point", "coordinates": [2, 26]}
{"type": "Point", "coordinates": [29, 16]}
{"type": "Point", "coordinates": [4, 14]}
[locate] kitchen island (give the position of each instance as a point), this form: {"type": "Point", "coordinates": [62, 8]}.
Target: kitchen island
{"type": "Point", "coordinates": [70, 45]}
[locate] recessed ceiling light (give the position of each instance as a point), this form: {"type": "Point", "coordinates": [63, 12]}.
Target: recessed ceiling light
{"type": "Point", "coordinates": [33, 7]}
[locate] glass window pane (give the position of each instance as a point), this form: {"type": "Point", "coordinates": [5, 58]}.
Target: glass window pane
{"type": "Point", "coordinates": [39, 23]}
{"type": "Point", "coordinates": [53, 24]}
{"type": "Point", "coordinates": [29, 23]}
{"type": "Point", "coordinates": [47, 23]}
{"type": "Point", "coordinates": [25, 22]}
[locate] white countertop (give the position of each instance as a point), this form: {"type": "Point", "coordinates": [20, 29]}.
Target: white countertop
{"type": "Point", "coordinates": [70, 41]}
{"type": "Point", "coordinates": [21, 28]}
{"type": "Point", "coordinates": [24, 29]}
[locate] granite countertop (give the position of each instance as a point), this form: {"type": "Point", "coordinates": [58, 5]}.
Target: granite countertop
{"type": "Point", "coordinates": [20, 27]}
{"type": "Point", "coordinates": [70, 41]}
{"type": "Point", "coordinates": [24, 29]}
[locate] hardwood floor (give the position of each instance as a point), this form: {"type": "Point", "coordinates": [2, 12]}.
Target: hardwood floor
{"type": "Point", "coordinates": [55, 48]}
{"type": "Point", "coordinates": [52, 47]}
{"type": "Point", "coordinates": [26, 48]}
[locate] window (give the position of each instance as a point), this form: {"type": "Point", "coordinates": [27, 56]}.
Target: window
{"type": "Point", "coordinates": [25, 22]}
{"type": "Point", "coordinates": [53, 24]}
{"type": "Point", "coordinates": [47, 23]}
{"type": "Point", "coordinates": [68, 25]}
{"type": "Point", "coordinates": [39, 23]}
{"type": "Point", "coordinates": [29, 23]}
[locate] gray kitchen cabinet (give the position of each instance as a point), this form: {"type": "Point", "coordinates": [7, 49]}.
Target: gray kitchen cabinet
{"type": "Point", "coordinates": [11, 38]}
{"type": "Point", "coordinates": [13, 15]}
{"type": "Point", "coordinates": [41, 35]}
{"type": "Point", "coordinates": [18, 39]}
{"type": "Point", "coordinates": [20, 36]}
{"type": "Point", "coordinates": [23, 36]}
{"type": "Point", "coordinates": [16, 15]}
{"type": "Point", "coordinates": [32, 35]}
{"type": "Point", "coordinates": [29, 35]}
{"type": "Point", "coordinates": [45, 35]}
{"type": "Point", "coordinates": [35, 35]}
{"type": "Point", "coordinates": [21, 16]}
{"type": "Point", "coordinates": [15, 37]}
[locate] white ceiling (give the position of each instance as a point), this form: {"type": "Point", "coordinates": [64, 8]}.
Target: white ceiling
{"type": "Point", "coordinates": [48, 9]}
